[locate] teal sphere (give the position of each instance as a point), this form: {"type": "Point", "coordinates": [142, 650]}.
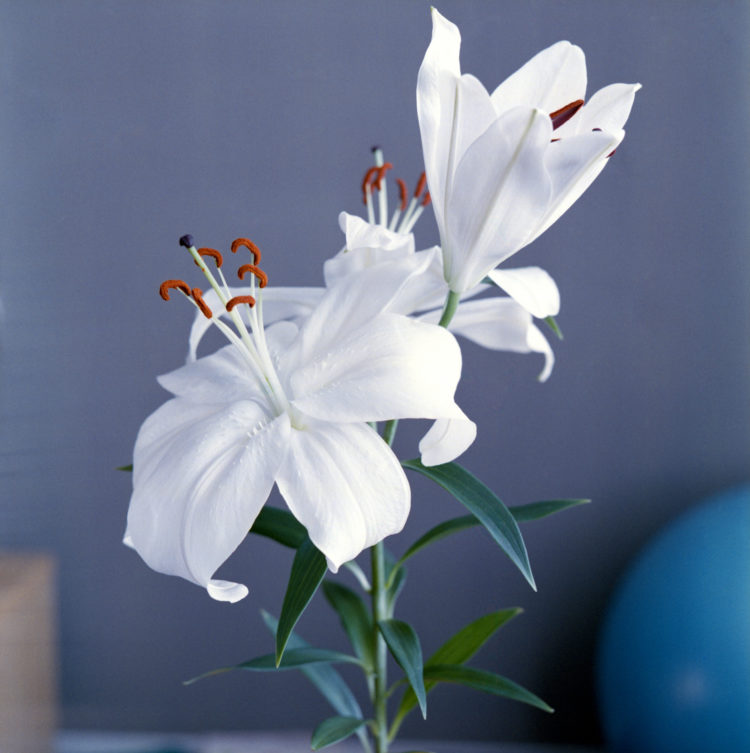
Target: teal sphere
{"type": "Point", "coordinates": [673, 668]}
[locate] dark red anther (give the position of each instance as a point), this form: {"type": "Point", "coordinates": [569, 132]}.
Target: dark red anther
{"type": "Point", "coordinates": [168, 285]}
{"type": "Point", "coordinates": [564, 114]}
{"type": "Point", "coordinates": [401, 193]}
{"type": "Point", "coordinates": [421, 183]}
{"type": "Point", "coordinates": [232, 302]}
{"type": "Point", "coordinates": [197, 295]}
{"type": "Point", "coordinates": [213, 253]}
{"type": "Point", "coordinates": [366, 182]}
{"type": "Point", "coordinates": [381, 174]}
{"type": "Point", "coordinates": [249, 245]}
{"type": "Point", "coordinates": [259, 273]}
{"type": "Point", "coordinates": [426, 200]}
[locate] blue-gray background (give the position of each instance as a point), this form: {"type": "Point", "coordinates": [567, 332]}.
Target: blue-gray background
{"type": "Point", "coordinates": [126, 124]}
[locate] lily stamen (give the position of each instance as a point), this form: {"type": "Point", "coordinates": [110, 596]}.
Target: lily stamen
{"type": "Point", "coordinates": [259, 273]}
{"type": "Point", "coordinates": [232, 302]}
{"type": "Point", "coordinates": [213, 253]}
{"type": "Point", "coordinates": [249, 245]}
{"type": "Point", "coordinates": [197, 296]}
{"type": "Point", "coordinates": [564, 114]}
{"type": "Point", "coordinates": [168, 285]}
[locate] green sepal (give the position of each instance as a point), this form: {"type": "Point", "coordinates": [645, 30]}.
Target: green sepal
{"type": "Point", "coordinates": [355, 619]}
{"type": "Point", "coordinates": [538, 510]}
{"type": "Point", "coordinates": [404, 646]}
{"type": "Point", "coordinates": [334, 730]}
{"type": "Point", "coordinates": [323, 676]}
{"type": "Point", "coordinates": [279, 525]}
{"type": "Point", "coordinates": [552, 324]}
{"type": "Point", "coordinates": [459, 648]}
{"type": "Point", "coordinates": [308, 568]}
{"type": "Point", "coordinates": [487, 682]}
{"type": "Point", "coordinates": [484, 505]}
{"type": "Point", "coordinates": [294, 658]}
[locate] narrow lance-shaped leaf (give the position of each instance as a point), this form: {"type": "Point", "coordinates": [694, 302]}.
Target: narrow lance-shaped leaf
{"type": "Point", "coordinates": [323, 676]}
{"type": "Point", "coordinates": [308, 569]}
{"type": "Point", "coordinates": [403, 644]}
{"type": "Point", "coordinates": [333, 730]}
{"type": "Point", "coordinates": [355, 619]}
{"type": "Point", "coordinates": [538, 510]}
{"type": "Point", "coordinates": [459, 648]}
{"type": "Point", "coordinates": [485, 505]}
{"type": "Point", "coordinates": [279, 525]}
{"type": "Point", "coordinates": [484, 681]}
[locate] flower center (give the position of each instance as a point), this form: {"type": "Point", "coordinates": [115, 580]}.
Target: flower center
{"type": "Point", "coordinates": [245, 312]}
{"type": "Point", "coordinates": [407, 212]}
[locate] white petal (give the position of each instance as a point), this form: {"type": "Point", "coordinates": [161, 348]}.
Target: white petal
{"type": "Point", "coordinates": [532, 287]}
{"type": "Point", "coordinates": [201, 475]}
{"type": "Point", "coordinates": [501, 191]}
{"type": "Point", "coordinates": [345, 485]}
{"type": "Point", "coordinates": [608, 109]}
{"type": "Point", "coordinates": [552, 79]}
{"type": "Point", "coordinates": [278, 304]}
{"type": "Point", "coordinates": [350, 304]}
{"type": "Point", "coordinates": [446, 440]}
{"type": "Point", "coordinates": [538, 343]}
{"type": "Point", "coordinates": [425, 290]}
{"type": "Point", "coordinates": [437, 83]}
{"type": "Point", "coordinates": [573, 164]}
{"type": "Point", "coordinates": [392, 367]}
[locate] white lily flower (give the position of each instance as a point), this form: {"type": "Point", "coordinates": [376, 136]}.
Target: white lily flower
{"type": "Point", "coordinates": [502, 167]}
{"type": "Point", "coordinates": [287, 405]}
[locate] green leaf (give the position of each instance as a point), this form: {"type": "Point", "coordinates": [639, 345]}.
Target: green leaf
{"type": "Point", "coordinates": [458, 649]}
{"type": "Point", "coordinates": [454, 525]}
{"type": "Point", "coordinates": [124, 467]}
{"type": "Point", "coordinates": [323, 676]}
{"type": "Point", "coordinates": [279, 525]}
{"type": "Point", "coordinates": [308, 569]}
{"type": "Point", "coordinates": [293, 659]}
{"type": "Point", "coordinates": [333, 730]}
{"type": "Point", "coordinates": [403, 644]}
{"type": "Point", "coordinates": [487, 682]}
{"type": "Point", "coordinates": [552, 324]}
{"type": "Point", "coordinates": [484, 505]}
{"type": "Point", "coordinates": [537, 510]}
{"type": "Point", "coordinates": [394, 585]}
{"type": "Point", "coordinates": [355, 619]}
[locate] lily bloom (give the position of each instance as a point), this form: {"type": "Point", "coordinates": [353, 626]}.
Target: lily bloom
{"type": "Point", "coordinates": [287, 405]}
{"type": "Point", "coordinates": [502, 167]}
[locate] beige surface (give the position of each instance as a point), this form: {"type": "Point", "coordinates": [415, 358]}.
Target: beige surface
{"type": "Point", "coordinates": [27, 654]}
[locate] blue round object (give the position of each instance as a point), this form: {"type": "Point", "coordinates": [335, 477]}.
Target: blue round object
{"type": "Point", "coordinates": [673, 670]}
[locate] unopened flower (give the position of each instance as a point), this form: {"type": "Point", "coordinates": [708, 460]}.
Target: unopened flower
{"type": "Point", "coordinates": [287, 405]}
{"type": "Point", "coordinates": [502, 167]}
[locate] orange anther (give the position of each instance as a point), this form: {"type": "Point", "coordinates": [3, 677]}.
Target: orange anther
{"type": "Point", "coordinates": [259, 273]}
{"type": "Point", "coordinates": [426, 200]}
{"type": "Point", "coordinates": [249, 245]}
{"type": "Point", "coordinates": [401, 193]}
{"type": "Point", "coordinates": [213, 253]}
{"type": "Point", "coordinates": [168, 285]}
{"type": "Point", "coordinates": [232, 302]}
{"type": "Point", "coordinates": [421, 183]}
{"type": "Point", "coordinates": [564, 114]}
{"type": "Point", "coordinates": [197, 295]}
{"type": "Point", "coordinates": [366, 182]}
{"type": "Point", "coordinates": [381, 174]}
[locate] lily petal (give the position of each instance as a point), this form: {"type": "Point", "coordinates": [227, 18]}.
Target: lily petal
{"type": "Point", "coordinates": [407, 369]}
{"type": "Point", "coordinates": [446, 440]}
{"type": "Point", "coordinates": [345, 485]}
{"type": "Point", "coordinates": [553, 78]}
{"type": "Point", "coordinates": [608, 109]}
{"type": "Point", "coordinates": [201, 475]}
{"type": "Point", "coordinates": [501, 189]}
{"type": "Point", "coordinates": [532, 287]}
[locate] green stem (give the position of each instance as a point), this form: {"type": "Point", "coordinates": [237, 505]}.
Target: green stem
{"type": "Point", "coordinates": [449, 309]}
{"type": "Point", "coordinates": [389, 431]}
{"type": "Point", "coordinates": [380, 612]}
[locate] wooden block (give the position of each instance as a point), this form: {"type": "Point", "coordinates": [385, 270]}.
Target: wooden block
{"type": "Point", "coordinates": [28, 676]}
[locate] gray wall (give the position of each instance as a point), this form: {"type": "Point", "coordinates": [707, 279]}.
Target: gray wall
{"type": "Point", "coordinates": [126, 124]}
